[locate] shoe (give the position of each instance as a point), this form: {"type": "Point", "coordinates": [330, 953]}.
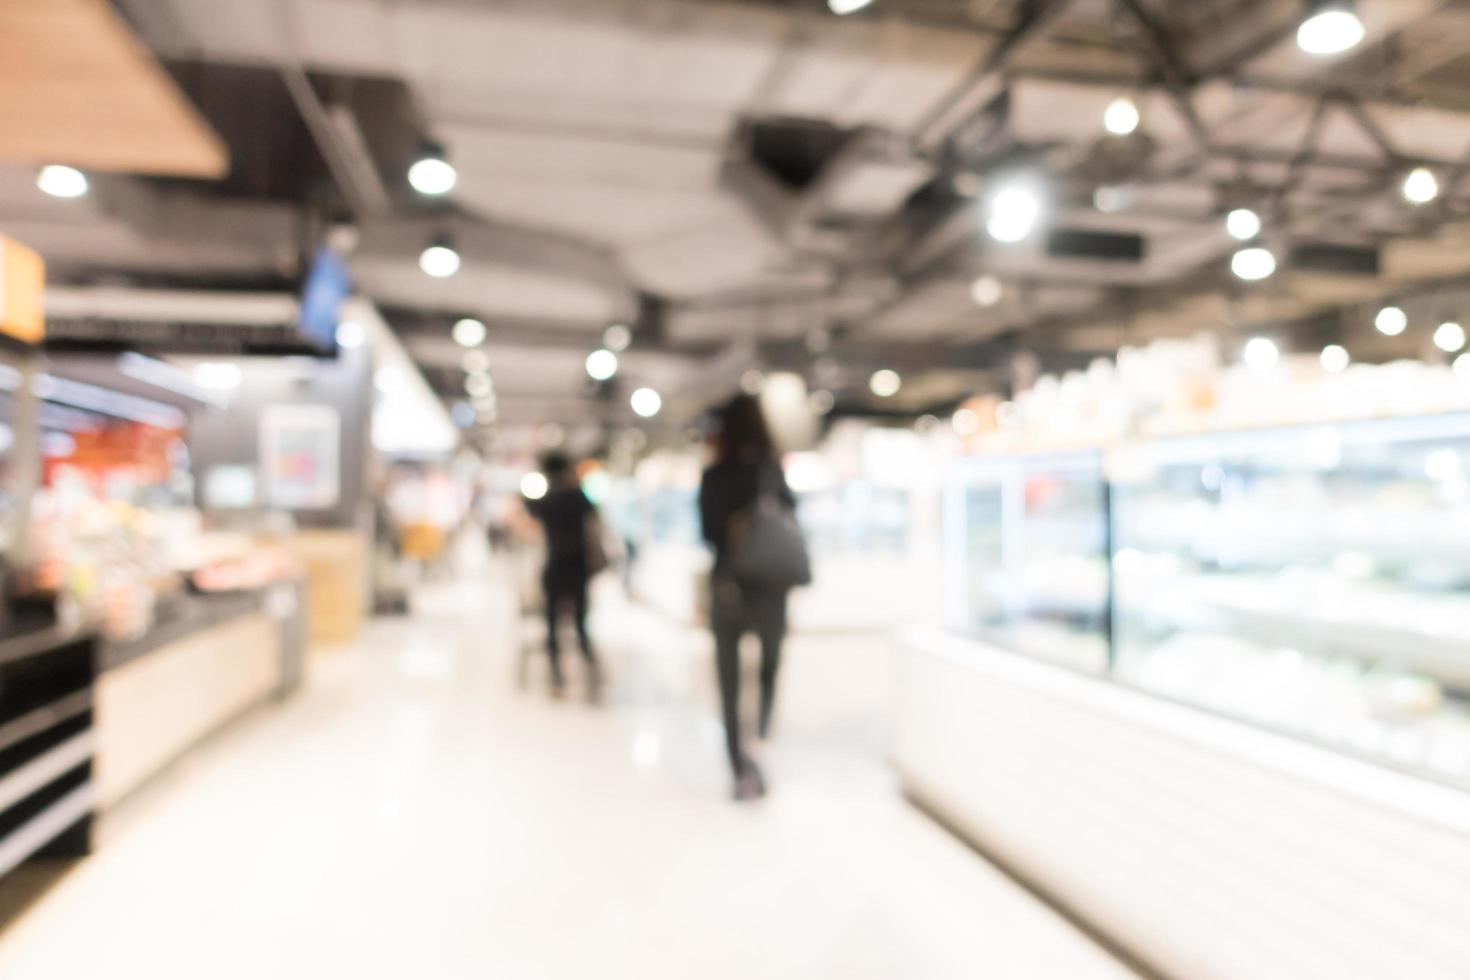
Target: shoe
{"type": "Point", "coordinates": [750, 784]}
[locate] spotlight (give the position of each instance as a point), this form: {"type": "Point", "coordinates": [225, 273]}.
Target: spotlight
{"type": "Point", "coordinates": [885, 383]}
{"type": "Point", "coordinates": [1449, 337]}
{"type": "Point", "coordinates": [1014, 212]}
{"type": "Point", "coordinates": [602, 364]}
{"type": "Point", "coordinates": [987, 291]}
{"type": "Point", "coordinates": [1243, 224]}
{"type": "Point", "coordinates": [1261, 354]}
{"type": "Point", "coordinates": [617, 338]}
{"type": "Point", "coordinates": [1121, 116]}
{"type": "Point", "coordinates": [1330, 28]}
{"type": "Point", "coordinates": [431, 174]}
{"type": "Point", "coordinates": [60, 181]}
{"type": "Point", "coordinates": [1335, 359]}
{"type": "Point", "coordinates": [440, 260]}
{"type": "Point", "coordinates": [1420, 186]}
{"type": "Point", "coordinates": [468, 332]}
{"type": "Point", "coordinates": [646, 402]}
{"type": "Point", "coordinates": [534, 486]}
{"type": "Point", "coordinates": [1391, 321]}
{"type": "Point", "coordinates": [1253, 264]}
{"type": "Point", "coordinates": [844, 7]}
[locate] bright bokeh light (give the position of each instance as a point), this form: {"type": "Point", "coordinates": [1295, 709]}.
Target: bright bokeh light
{"type": "Point", "coordinates": [1261, 354]}
{"type": "Point", "coordinates": [987, 291]}
{"type": "Point", "coordinates": [752, 382]}
{"type": "Point", "coordinates": [1391, 321]}
{"type": "Point", "coordinates": [432, 176]}
{"type": "Point", "coordinates": [1331, 29]}
{"type": "Point", "coordinates": [1335, 359]}
{"type": "Point", "coordinates": [1462, 366]}
{"type": "Point", "coordinates": [439, 261]}
{"type": "Point", "coordinates": [1449, 337]}
{"type": "Point", "coordinates": [646, 402]}
{"type": "Point", "coordinates": [534, 486]}
{"type": "Point", "coordinates": [468, 332]}
{"type": "Point", "coordinates": [475, 362]}
{"type": "Point", "coordinates": [885, 383]}
{"type": "Point", "coordinates": [1014, 213]}
{"type": "Point", "coordinates": [821, 402]}
{"type": "Point", "coordinates": [350, 334]}
{"type": "Point", "coordinates": [61, 181]}
{"type": "Point", "coordinates": [1253, 264]}
{"type": "Point", "coordinates": [218, 375]}
{"type": "Point", "coordinates": [479, 385]}
{"type": "Point", "coordinates": [1421, 186]}
{"type": "Point", "coordinates": [388, 380]}
{"type": "Point", "coordinates": [1121, 116]}
{"type": "Point", "coordinates": [1243, 224]}
{"type": "Point", "coordinates": [602, 364]}
{"type": "Point", "coordinates": [966, 421]}
{"type": "Point", "coordinates": [844, 7]}
{"type": "Point", "coordinates": [617, 337]}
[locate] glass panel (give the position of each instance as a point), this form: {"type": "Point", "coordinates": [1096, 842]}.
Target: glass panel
{"type": "Point", "coordinates": [1314, 580]}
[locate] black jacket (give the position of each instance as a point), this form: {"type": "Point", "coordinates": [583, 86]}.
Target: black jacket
{"type": "Point", "coordinates": [730, 487]}
{"type": "Point", "coordinates": [563, 513]}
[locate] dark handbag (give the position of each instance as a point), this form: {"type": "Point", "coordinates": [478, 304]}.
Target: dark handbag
{"type": "Point", "coordinates": [595, 547]}
{"type": "Point", "coordinates": [768, 549]}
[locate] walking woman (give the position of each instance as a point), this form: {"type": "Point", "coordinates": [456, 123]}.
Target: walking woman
{"type": "Point", "coordinates": [569, 520]}
{"type": "Point", "coordinates": [748, 590]}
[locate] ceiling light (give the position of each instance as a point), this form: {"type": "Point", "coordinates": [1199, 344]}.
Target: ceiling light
{"type": "Point", "coordinates": [1121, 116]}
{"type": "Point", "coordinates": [1421, 186]}
{"type": "Point", "coordinates": [1243, 224]}
{"type": "Point", "coordinates": [966, 422]}
{"type": "Point", "coordinates": [431, 174]}
{"type": "Point", "coordinates": [844, 7]}
{"type": "Point", "coordinates": [617, 337]}
{"type": "Point", "coordinates": [821, 402]}
{"type": "Point", "coordinates": [1112, 198]}
{"type": "Point", "coordinates": [1330, 28]}
{"type": "Point", "coordinates": [350, 334]}
{"type": "Point", "coordinates": [439, 260]}
{"type": "Point", "coordinates": [475, 362]}
{"type": "Point", "coordinates": [885, 383]}
{"type": "Point", "coordinates": [1253, 264]}
{"type": "Point", "coordinates": [534, 486]}
{"type": "Point", "coordinates": [1014, 213]}
{"type": "Point", "coordinates": [1391, 321]}
{"type": "Point", "coordinates": [1261, 354]}
{"type": "Point", "coordinates": [602, 364]}
{"type": "Point", "coordinates": [59, 181]}
{"type": "Point", "coordinates": [646, 402]}
{"type": "Point", "coordinates": [468, 332]}
{"type": "Point", "coordinates": [1462, 366]}
{"type": "Point", "coordinates": [1335, 359]}
{"type": "Point", "coordinates": [752, 382]}
{"type": "Point", "coordinates": [987, 291]}
{"type": "Point", "coordinates": [1449, 337]}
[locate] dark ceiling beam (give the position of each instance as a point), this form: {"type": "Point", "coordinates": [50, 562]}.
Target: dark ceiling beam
{"type": "Point", "coordinates": [1179, 82]}
{"type": "Point", "coordinates": [1036, 17]}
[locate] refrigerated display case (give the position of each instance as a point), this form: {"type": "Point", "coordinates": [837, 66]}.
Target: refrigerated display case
{"type": "Point", "coordinates": [1315, 580]}
{"type": "Point", "coordinates": [1027, 541]}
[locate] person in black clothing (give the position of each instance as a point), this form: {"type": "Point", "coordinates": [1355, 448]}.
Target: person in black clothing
{"type": "Point", "coordinates": [564, 513]}
{"type": "Point", "coordinates": [744, 466]}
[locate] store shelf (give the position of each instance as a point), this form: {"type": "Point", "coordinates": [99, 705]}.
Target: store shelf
{"type": "Point", "coordinates": [38, 720]}
{"type": "Point", "coordinates": [46, 826]}
{"type": "Point", "coordinates": [50, 765]}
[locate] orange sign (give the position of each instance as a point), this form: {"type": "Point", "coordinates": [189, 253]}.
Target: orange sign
{"type": "Point", "coordinates": [22, 281]}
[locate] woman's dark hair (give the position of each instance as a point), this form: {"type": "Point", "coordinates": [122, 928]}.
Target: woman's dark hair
{"type": "Point", "coordinates": [554, 466]}
{"type": "Point", "coordinates": [743, 430]}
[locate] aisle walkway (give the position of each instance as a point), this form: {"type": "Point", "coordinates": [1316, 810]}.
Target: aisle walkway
{"type": "Point", "coordinates": [413, 814]}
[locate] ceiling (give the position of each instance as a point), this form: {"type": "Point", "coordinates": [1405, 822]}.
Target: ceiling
{"type": "Point", "coordinates": [743, 180]}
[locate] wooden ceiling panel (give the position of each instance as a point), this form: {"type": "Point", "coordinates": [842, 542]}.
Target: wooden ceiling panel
{"type": "Point", "coordinates": [77, 87]}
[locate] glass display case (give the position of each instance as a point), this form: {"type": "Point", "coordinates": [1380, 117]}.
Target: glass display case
{"type": "Point", "coordinates": [1027, 542]}
{"type": "Point", "coordinates": [856, 517]}
{"type": "Point", "coordinates": [1315, 580]}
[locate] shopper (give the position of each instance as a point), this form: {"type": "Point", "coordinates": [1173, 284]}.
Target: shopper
{"type": "Point", "coordinates": [570, 522]}
{"type": "Point", "coordinates": [748, 590]}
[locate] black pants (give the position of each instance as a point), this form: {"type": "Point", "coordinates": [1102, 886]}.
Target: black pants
{"type": "Point", "coordinates": [735, 611]}
{"type": "Point", "coordinates": [563, 592]}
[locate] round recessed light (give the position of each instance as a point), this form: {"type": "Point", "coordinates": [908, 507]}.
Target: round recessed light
{"type": "Point", "coordinates": [821, 402]}
{"type": "Point", "coordinates": [987, 291]}
{"type": "Point", "coordinates": [844, 7]}
{"type": "Point", "coordinates": [602, 364]}
{"type": "Point", "coordinates": [1261, 354]}
{"type": "Point", "coordinates": [1330, 28]}
{"type": "Point", "coordinates": [432, 175]}
{"type": "Point", "coordinates": [468, 332]}
{"type": "Point", "coordinates": [534, 486]}
{"type": "Point", "coordinates": [61, 181]}
{"type": "Point", "coordinates": [646, 402]}
{"type": "Point", "coordinates": [617, 338]}
{"type": "Point", "coordinates": [885, 383]}
{"type": "Point", "coordinates": [1449, 337]}
{"type": "Point", "coordinates": [1335, 358]}
{"type": "Point", "coordinates": [439, 261]}
{"type": "Point", "coordinates": [1014, 213]}
{"type": "Point", "coordinates": [1253, 264]}
{"type": "Point", "coordinates": [1121, 116]}
{"type": "Point", "coordinates": [1421, 186]}
{"type": "Point", "coordinates": [1243, 224]}
{"type": "Point", "coordinates": [1391, 321]}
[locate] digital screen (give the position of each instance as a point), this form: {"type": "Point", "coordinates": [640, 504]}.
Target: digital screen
{"type": "Point", "coordinates": [327, 285]}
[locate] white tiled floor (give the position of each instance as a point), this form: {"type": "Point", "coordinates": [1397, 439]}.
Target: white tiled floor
{"type": "Point", "coordinates": [413, 814]}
